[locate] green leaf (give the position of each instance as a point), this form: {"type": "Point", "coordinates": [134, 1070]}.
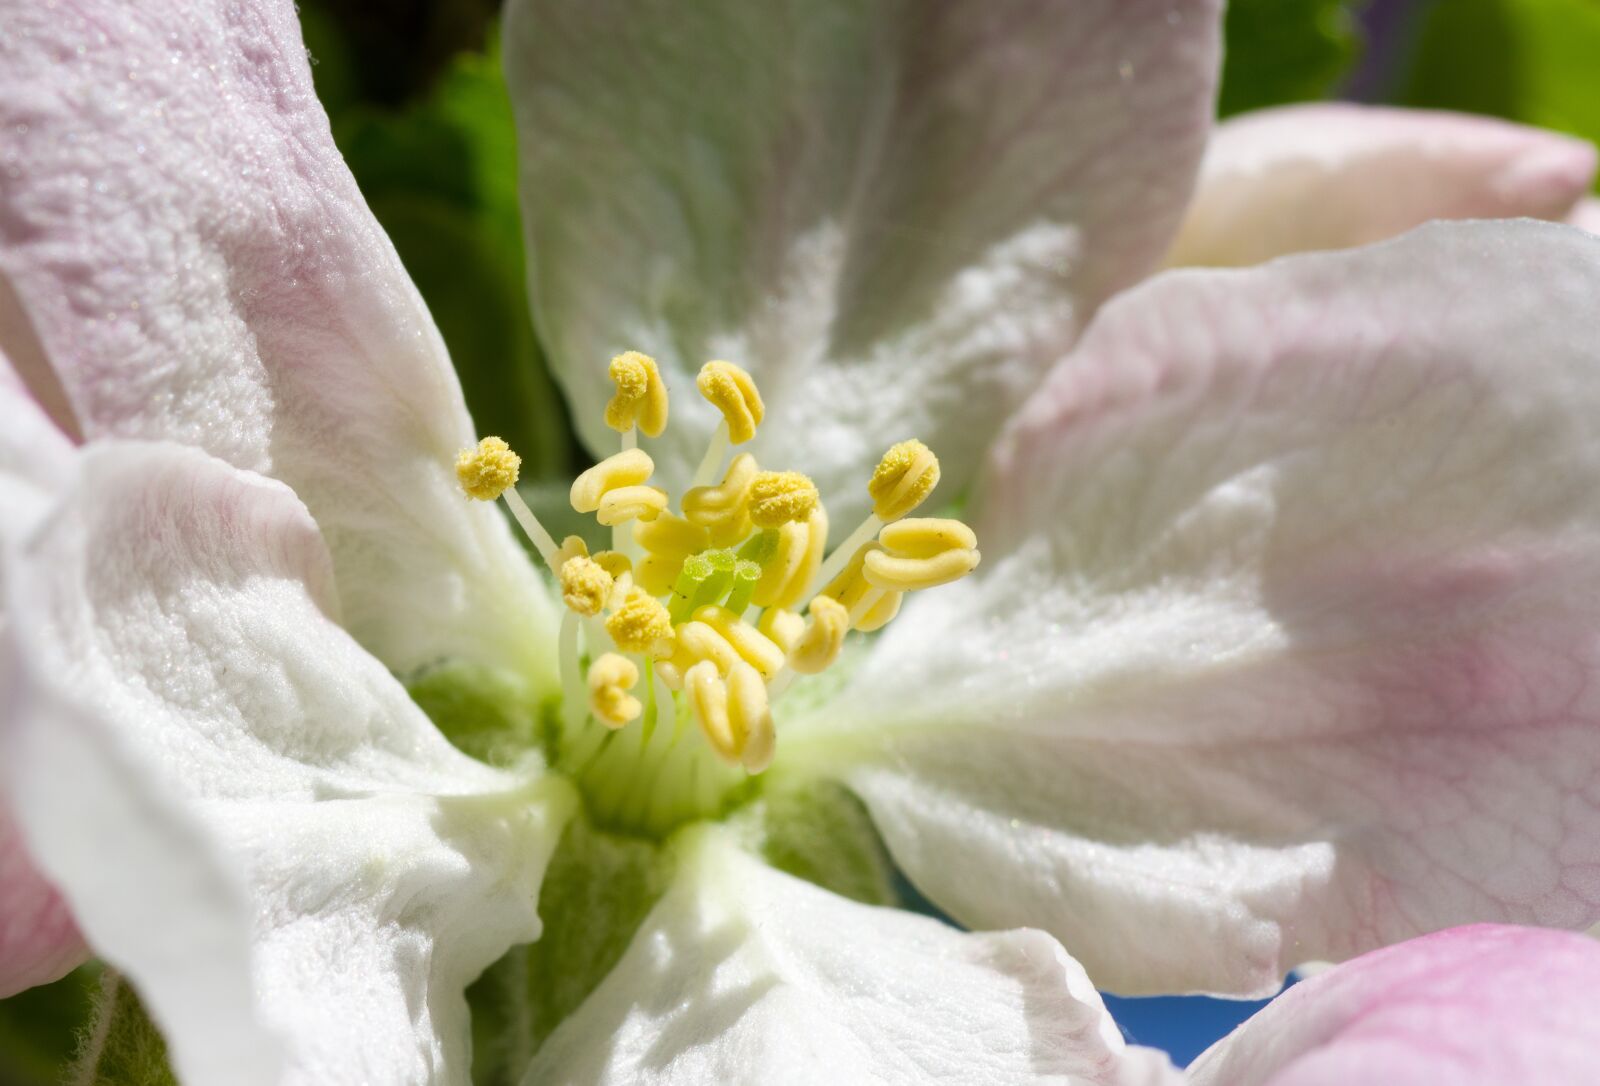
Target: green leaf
{"type": "Point", "coordinates": [1282, 51]}
{"type": "Point", "coordinates": [122, 1047]}
{"type": "Point", "coordinates": [1533, 61]}
{"type": "Point", "coordinates": [440, 176]}
{"type": "Point", "coordinates": [597, 892]}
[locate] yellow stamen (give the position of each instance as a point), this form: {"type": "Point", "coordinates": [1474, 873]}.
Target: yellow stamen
{"type": "Point", "coordinates": [819, 646]}
{"type": "Point", "coordinates": [487, 471]}
{"type": "Point", "coordinates": [624, 469]}
{"type": "Point", "coordinates": [733, 392]}
{"type": "Point", "coordinates": [903, 479]}
{"type": "Point", "coordinates": [627, 503]}
{"type": "Point", "coordinates": [733, 714]}
{"type": "Point", "coordinates": [697, 642]}
{"type": "Point", "coordinates": [610, 679]}
{"type": "Point", "coordinates": [723, 510]}
{"type": "Point", "coordinates": [753, 647]}
{"type": "Point", "coordinates": [870, 607]}
{"type": "Point", "coordinates": [641, 624]}
{"type": "Point", "coordinates": [783, 628]}
{"type": "Point", "coordinates": [781, 497]}
{"type": "Point", "coordinates": [921, 553]}
{"type": "Point", "coordinates": [585, 586]}
{"type": "Point", "coordinates": [641, 397]}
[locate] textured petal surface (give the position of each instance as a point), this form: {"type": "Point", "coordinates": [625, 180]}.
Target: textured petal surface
{"type": "Point", "coordinates": [743, 974]}
{"type": "Point", "coordinates": [246, 811]}
{"type": "Point", "coordinates": [198, 265]}
{"type": "Point", "coordinates": [1334, 175]}
{"type": "Point", "coordinates": [1475, 1006]}
{"type": "Point", "coordinates": [895, 214]}
{"type": "Point", "coordinates": [1285, 642]}
{"type": "Point", "coordinates": [38, 940]}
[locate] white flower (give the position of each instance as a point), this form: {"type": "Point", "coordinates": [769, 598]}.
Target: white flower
{"type": "Point", "coordinates": [1279, 648]}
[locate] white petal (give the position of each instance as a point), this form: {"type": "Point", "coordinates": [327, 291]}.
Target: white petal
{"type": "Point", "coordinates": [1334, 175]}
{"type": "Point", "coordinates": [895, 215]}
{"type": "Point", "coordinates": [247, 813]}
{"type": "Point", "coordinates": [741, 974]}
{"type": "Point", "coordinates": [1285, 641]}
{"type": "Point", "coordinates": [199, 266]}
{"type": "Point", "coordinates": [38, 940]}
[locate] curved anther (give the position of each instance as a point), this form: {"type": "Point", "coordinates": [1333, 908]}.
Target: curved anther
{"type": "Point", "coordinates": [641, 396]}
{"type": "Point", "coordinates": [751, 645]}
{"type": "Point", "coordinates": [733, 392]}
{"type": "Point", "coordinates": [777, 498]}
{"type": "Point", "coordinates": [922, 552]}
{"type": "Point", "coordinates": [903, 479]}
{"type": "Point", "coordinates": [610, 679]}
{"type": "Point", "coordinates": [723, 509]}
{"type": "Point", "coordinates": [628, 468]}
{"type": "Point", "coordinates": [733, 714]}
{"type": "Point", "coordinates": [819, 646]}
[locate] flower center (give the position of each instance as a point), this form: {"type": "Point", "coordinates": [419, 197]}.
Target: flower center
{"type": "Point", "coordinates": [677, 641]}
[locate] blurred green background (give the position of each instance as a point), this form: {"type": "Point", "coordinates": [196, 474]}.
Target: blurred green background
{"type": "Point", "coordinates": [414, 92]}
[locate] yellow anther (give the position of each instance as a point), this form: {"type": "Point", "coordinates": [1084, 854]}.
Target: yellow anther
{"type": "Point", "coordinates": [732, 391]}
{"type": "Point", "coordinates": [667, 541]}
{"type": "Point", "coordinates": [571, 547]}
{"type": "Point", "coordinates": [851, 588]}
{"type": "Point", "coordinates": [641, 397]}
{"type": "Point", "coordinates": [723, 510]}
{"type": "Point", "coordinates": [627, 503]}
{"type": "Point", "coordinates": [585, 586]}
{"type": "Point", "coordinates": [794, 562]}
{"type": "Point", "coordinates": [783, 628]}
{"type": "Point", "coordinates": [819, 646]}
{"type": "Point", "coordinates": [613, 562]}
{"type": "Point", "coordinates": [753, 646]}
{"type": "Point", "coordinates": [487, 471]}
{"type": "Point", "coordinates": [921, 552]}
{"type": "Point", "coordinates": [781, 497]}
{"type": "Point", "coordinates": [641, 624]}
{"type": "Point", "coordinates": [624, 469]}
{"type": "Point", "coordinates": [697, 643]}
{"type": "Point", "coordinates": [733, 714]}
{"type": "Point", "coordinates": [904, 477]}
{"type": "Point", "coordinates": [610, 679]}
{"type": "Point", "coordinates": [880, 614]}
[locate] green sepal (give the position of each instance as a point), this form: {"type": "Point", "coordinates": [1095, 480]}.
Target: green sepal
{"type": "Point", "coordinates": [596, 893]}
{"type": "Point", "coordinates": [819, 831]}
{"type": "Point", "coordinates": [122, 1046]}
{"type": "Point", "coordinates": [484, 712]}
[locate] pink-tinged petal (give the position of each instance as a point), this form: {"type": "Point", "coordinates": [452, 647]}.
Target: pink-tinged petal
{"type": "Point", "coordinates": [38, 940]}
{"type": "Point", "coordinates": [1286, 641]}
{"type": "Point", "coordinates": [1335, 175]}
{"type": "Point", "coordinates": [198, 266]}
{"type": "Point", "coordinates": [1586, 216]}
{"type": "Point", "coordinates": [1475, 1006]}
{"type": "Point", "coordinates": [743, 974]}
{"type": "Point", "coordinates": [896, 215]}
{"type": "Point", "coordinates": [246, 812]}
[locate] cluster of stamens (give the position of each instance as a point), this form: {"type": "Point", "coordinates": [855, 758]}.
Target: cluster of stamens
{"type": "Point", "coordinates": [710, 611]}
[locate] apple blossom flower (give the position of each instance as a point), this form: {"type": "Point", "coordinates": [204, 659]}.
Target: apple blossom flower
{"type": "Point", "coordinates": [1278, 648]}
